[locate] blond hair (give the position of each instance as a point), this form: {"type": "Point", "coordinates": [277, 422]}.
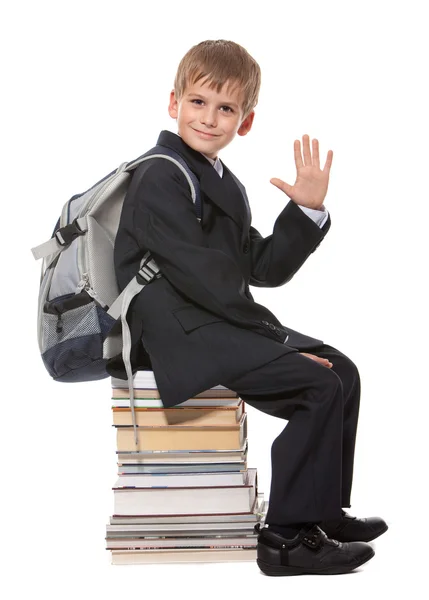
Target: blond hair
{"type": "Point", "coordinates": [220, 62]}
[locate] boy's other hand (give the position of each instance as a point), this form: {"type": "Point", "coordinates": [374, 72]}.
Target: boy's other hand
{"type": "Point", "coordinates": [311, 183]}
{"type": "Point", "coordinates": [323, 361]}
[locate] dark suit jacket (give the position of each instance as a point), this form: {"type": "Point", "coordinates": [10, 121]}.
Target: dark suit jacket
{"type": "Point", "coordinates": [199, 323]}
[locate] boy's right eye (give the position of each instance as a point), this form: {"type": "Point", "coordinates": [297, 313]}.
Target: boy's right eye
{"type": "Point", "coordinates": [196, 100]}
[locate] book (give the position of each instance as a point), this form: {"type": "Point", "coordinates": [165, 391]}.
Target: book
{"type": "Point", "coordinates": [147, 399]}
{"type": "Point", "coordinates": [188, 500]}
{"type": "Point", "coordinates": [200, 479]}
{"type": "Point", "coordinates": [165, 522]}
{"type": "Point", "coordinates": [182, 437]}
{"type": "Point", "coordinates": [210, 524]}
{"type": "Point", "coordinates": [125, 469]}
{"type": "Point", "coordinates": [140, 532]}
{"type": "Point", "coordinates": [184, 555]}
{"type": "Point", "coordinates": [222, 415]}
{"type": "Point", "coordinates": [166, 457]}
{"type": "Point", "coordinates": [245, 541]}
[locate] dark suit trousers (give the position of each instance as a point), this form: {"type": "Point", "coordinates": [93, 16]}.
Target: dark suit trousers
{"type": "Point", "coordinates": [312, 458]}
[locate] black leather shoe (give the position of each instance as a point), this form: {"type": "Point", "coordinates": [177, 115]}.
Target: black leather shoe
{"type": "Point", "coordinates": [351, 529]}
{"type": "Point", "coordinates": [309, 552]}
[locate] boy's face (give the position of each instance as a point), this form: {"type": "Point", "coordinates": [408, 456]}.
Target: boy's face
{"type": "Point", "coordinates": [207, 120]}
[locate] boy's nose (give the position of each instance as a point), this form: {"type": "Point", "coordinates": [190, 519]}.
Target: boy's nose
{"type": "Point", "coordinates": [209, 118]}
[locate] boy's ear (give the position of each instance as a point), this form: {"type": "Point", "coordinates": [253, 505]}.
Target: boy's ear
{"type": "Point", "coordinates": [173, 105]}
{"type": "Point", "coordinates": [246, 125]}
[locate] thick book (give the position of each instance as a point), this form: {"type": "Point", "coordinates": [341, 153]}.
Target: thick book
{"type": "Point", "coordinates": [177, 457]}
{"type": "Point", "coordinates": [185, 555]}
{"type": "Point", "coordinates": [187, 500]}
{"type": "Point", "coordinates": [182, 437]}
{"type": "Point", "coordinates": [159, 523]}
{"type": "Point", "coordinates": [222, 415]}
{"type": "Point", "coordinates": [189, 525]}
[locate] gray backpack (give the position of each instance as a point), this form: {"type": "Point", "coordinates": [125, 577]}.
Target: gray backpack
{"type": "Point", "coordinates": [81, 314]}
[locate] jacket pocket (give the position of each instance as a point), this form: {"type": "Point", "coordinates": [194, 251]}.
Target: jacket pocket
{"type": "Point", "coordinates": [192, 317]}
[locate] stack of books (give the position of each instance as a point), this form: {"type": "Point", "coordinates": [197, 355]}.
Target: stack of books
{"type": "Point", "coordinates": [184, 493]}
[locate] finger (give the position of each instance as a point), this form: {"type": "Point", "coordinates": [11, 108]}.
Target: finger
{"type": "Point", "coordinates": [325, 362]}
{"type": "Point", "coordinates": [313, 357]}
{"type": "Point", "coordinates": [319, 359]}
{"type": "Point", "coordinates": [282, 185]}
{"type": "Point", "coordinates": [306, 149]}
{"type": "Point", "coordinates": [328, 162]}
{"type": "Point", "coordinates": [316, 161]}
{"type": "Point", "coordinates": [297, 153]}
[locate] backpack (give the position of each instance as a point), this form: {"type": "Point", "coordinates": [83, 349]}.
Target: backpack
{"type": "Point", "coordinates": [81, 313]}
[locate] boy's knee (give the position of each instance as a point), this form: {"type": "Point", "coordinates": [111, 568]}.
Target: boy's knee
{"type": "Point", "coordinates": [351, 372]}
{"type": "Point", "coordinates": [353, 369]}
{"type": "Point", "coordinates": [328, 379]}
{"type": "Point", "coordinates": [348, 364]}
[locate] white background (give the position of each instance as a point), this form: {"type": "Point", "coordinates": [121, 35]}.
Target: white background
{"type": "Point", "coordinates": [86, 87]}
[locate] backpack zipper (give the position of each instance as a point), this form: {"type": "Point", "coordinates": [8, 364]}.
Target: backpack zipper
{"type": "Point", "coordinates": [85, 285]}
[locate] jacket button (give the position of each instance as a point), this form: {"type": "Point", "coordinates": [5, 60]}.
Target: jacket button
{"type": "Point", "coordinates": [246, 247]}
{"type": "Point", "coordinates": [264, 322]}
{"type": "Point", "coordinates": [271, 326]}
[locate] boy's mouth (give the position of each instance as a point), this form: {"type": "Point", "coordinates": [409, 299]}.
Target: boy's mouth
{"type": "Point", "coordinates": [204, 134]}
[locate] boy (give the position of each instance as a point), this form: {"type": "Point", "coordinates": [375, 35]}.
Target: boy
{"type": "Point", "coordinates": [198, 325]}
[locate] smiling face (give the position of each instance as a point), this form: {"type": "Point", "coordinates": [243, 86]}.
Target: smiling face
{"type": "Point", "coordinates": [207, 120]}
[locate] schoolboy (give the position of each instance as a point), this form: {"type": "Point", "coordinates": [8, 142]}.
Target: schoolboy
{"type": "Point", "coordinates": [199, 326]}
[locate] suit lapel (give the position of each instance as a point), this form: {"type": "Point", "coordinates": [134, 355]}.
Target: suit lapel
{"type": "Point", "coordinates": [246, 214]}
{"type": "Point", "coordinates": [223, 191]}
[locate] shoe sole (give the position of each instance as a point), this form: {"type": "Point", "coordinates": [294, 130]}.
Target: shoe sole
{"type": "Point", "coordinates": [281, 570]}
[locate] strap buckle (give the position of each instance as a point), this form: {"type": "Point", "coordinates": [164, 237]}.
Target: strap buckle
{"type": "Point", "coordinates": [148, 272]}
{"type": "Point", "coordinates": [65, 235]}
{"type": "Point", "coordinates": [313, 538]}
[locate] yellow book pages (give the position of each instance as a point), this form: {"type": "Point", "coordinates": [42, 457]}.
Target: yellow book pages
{"type": "Point", "coordinates": [179, 416]}
{"type": "Point", "coordinates": [182, 438]}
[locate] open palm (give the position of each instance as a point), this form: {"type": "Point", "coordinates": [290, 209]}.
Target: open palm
{"type": "Point", "coordinates": [311, 182]}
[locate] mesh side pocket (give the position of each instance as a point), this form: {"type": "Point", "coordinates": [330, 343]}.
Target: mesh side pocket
{"type": "Point", "coordinates": [74, 329]}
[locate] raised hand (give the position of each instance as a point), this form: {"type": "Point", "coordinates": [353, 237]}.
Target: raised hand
{"type": "Point", "coordinates": [311, 182]}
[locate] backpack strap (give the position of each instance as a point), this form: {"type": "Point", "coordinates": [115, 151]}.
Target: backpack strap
{"type": "Point", "coordinates": [148, 271]}
{"type": "Point", "coordinates": [61, 238]}
{"type": "Point", "coordinates": [165, 152]}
